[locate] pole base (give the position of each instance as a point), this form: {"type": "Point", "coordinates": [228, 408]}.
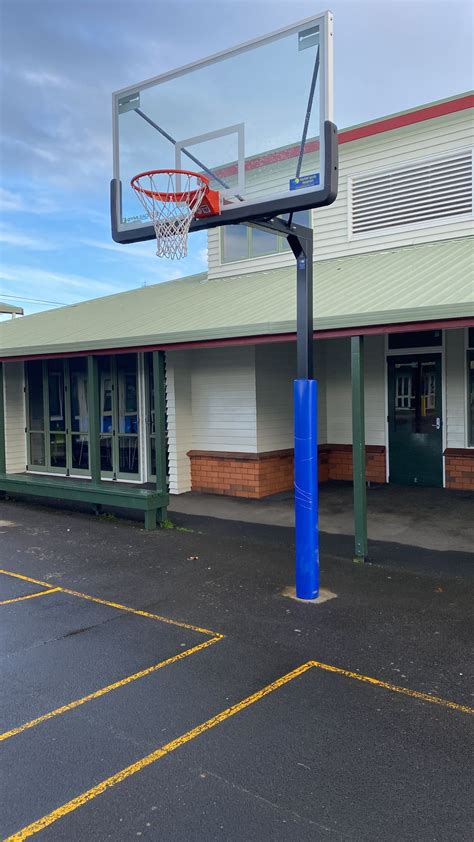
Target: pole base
{"type": "Point", "coordinates": [324, 596]}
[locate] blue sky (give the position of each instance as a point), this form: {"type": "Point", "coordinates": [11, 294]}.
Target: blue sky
{"type": "Point", "coordinates": [61, 60]}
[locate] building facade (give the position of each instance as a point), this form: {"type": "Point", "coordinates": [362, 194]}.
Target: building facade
{"type": "Point", "coordinates": [92, 392]}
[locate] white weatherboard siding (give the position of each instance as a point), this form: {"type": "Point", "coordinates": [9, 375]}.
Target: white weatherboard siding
{"type": "Point", "coordinates": [428, 139]}
{"type": "Point", "coordinates": [456, 389]}
{"type": "Point", "coordinates": [241, 399]}
{"type": "Point", "coordinates": [15, 421]}
{"type": "Point", "coordinates": [338, 391]}
{"type": "Point", "coordinates": [224, 400]}
{"type": "Point", "coordinates": [275, 373]}
{"type": "Point", "coordinates": [179, 412]}
{"type": "Point", "coordinates": [375, 386]}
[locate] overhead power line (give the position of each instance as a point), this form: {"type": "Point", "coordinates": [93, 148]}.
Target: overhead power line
{"type": "Point", "coordinates": [35, 300]}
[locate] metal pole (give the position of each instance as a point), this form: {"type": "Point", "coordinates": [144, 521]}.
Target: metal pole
{"type": "Point", "coordinates": [3, 459]}
{"type": "Point", "coordinates": [358, 448]}
{"type": "Point", "coordinates": [306, 424]}
{"type": "Point", "coordinates": [93, 399]}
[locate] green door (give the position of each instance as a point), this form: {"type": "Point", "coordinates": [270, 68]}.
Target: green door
{"type": "Point", "coordinates": [415, 420]}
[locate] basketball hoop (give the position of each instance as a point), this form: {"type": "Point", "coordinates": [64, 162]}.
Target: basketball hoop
{"type": "Point", "coordinates": [172, 199]}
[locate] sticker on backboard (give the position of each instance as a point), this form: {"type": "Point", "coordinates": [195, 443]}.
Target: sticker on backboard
{"type": "Point", "coordinates": [311, 180]}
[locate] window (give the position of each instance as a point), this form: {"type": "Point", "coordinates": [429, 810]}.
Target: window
{"type": "Point", "coordinates": [415, 339]}
{"type": "Point", "coordinates": [57, 416]}
{"type": "Point", "coordinates": [240, 242]}
{"type": "Point", "coordinates": [35, 416]}
{"type": "Point", "coordinates": [417, 194]}
{"type": "Point", "coordinates": [470, 389]}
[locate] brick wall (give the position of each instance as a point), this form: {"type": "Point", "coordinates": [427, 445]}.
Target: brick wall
{"type": "Point", "coordinates": [340, 462]}
{"type": "Point", "coordinates": [252, 475]}
{"type": "Point", "coordinates": [256, 475]}
{"type": "Point", "coordinates": [459, 465]}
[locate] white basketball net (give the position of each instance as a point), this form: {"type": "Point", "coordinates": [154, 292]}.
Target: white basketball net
{"type": "Point", "coordinates": [171, 218]}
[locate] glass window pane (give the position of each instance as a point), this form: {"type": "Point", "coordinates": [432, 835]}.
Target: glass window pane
{"type": "Point", "coordinates": [105, 444]}
{"type": "Point", "coordinates": [57, 419]}
{"type": "Point", "coordinates": [151, 394]}
{"type": "Point", "coordinates": [80, 452]}
{"type": "Point", "coordinates": [128, 454]}
{"type": "Point", "coordinates": [79, 408]}
{"type": "Point", "coordinates": [471, 398]}
{"type": "Point", "coordinates": [263, 243]}
{"type": "Point", "coordinates": [235, 242]}
{"type": "Point", "coordinates": [427, 398]}
{"type": "Point", "coordinates": [35, 396]}
{"type": "Point", "coordinates": [57, 443]}
{"type": "Point", "coordinates": [405, 396]}
{"type": "Point", "coordinates": [106, 421]}
{"type": "Point", "coordinates": [127, 390]}
{"type": "Point", "coordinates": [37, 456]}
{"type": "Point", "coordinates": [415, 339]}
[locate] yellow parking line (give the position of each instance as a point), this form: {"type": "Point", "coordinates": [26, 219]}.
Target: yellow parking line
{"type": "Point", "coordinates": [29, 596]}
{"type": "Point", "coordinates": [89, 794]}
{"type": "Point", "coordinates": [104, 690]}
{"type": "Point", "coordinates": [395, 688]}
{"type": "Point", "coordinates": [24, 578]}
{"type": "Point", "coordinates": [116, 605]}
{"type": "Point", "coordinates": [158, 753]}
{"type": "Point", "coordinates": [137, 611]}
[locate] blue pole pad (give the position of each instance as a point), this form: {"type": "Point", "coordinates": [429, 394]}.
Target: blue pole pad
{"type": "Point", "coordinates": [306, 488]}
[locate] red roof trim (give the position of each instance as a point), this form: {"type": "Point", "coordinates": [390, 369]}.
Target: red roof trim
{"type": "Point", "coordinates": [385, 124]}
{"type": "Point", "coordinates": [335, 333]}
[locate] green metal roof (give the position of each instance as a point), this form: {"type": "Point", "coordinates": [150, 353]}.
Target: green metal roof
{"type": "Point", "coordinates": [414, 283]}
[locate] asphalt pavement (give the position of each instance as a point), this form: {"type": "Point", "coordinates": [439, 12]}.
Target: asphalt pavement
{"type": "Point", "coordinates": [157, 685]}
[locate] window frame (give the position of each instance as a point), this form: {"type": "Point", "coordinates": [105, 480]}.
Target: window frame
{"type": "Point", "coordinates": [469, 389]}
{"type": "Point", "coordinates": [47, 432]}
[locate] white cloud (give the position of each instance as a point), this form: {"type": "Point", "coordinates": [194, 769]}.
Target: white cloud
{"type": "Point", "coordinates": [142, 250]}
{"type": "Point", "coordinates": [10, 201]}
{"type": "Point", "coordinates": [10, 237]}
{"type": "Point", "coordinates": [62, 282]}
{"type": "Point", "coordinates": [33, 203]}
{"type": "Point", "coordinates": [42, 77]}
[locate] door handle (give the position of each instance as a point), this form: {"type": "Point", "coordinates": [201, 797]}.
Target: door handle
{"type": "Point", "coordinates": [437, 426]}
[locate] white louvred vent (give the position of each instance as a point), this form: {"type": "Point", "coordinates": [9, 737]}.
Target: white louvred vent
{"type": "Point", "coordinates": [417, 194]}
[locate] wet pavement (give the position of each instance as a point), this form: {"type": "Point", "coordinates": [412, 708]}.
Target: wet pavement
{"type": "Point", "coordinates": [157, 685]}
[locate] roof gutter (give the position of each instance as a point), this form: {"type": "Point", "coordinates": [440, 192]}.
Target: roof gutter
{"type": "Point", "coordinates": [259, 339]}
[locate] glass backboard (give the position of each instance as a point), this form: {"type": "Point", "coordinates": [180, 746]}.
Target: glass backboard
{"type": "Point", "coordinates": [256, 119]}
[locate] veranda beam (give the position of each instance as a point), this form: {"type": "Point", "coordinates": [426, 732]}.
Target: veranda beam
{"type": "Point", "coordinates": [3, 460]}
{"type": "Point", "coordinates": [358, 448]}
{"type": "Point", "coordinates": [160, 424]}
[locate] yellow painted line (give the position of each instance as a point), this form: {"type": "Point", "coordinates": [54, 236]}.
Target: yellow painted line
{"type": "Point", "coordinates": [123, 774]}
{"type": "Point", "coordinates": [29, 596]}
{"type": "Point", "coordinates": [110, 687]}
{"type": "Point", "coordinates": [116, 605]}
{"type": "Point", "coordinates": [24, 578]}
{"type": "Point", "coordinates": [395, 688]}
{"type": "Point", "coordinates": [137, 611]}
{"type": "Point", "coordinates": [108, 783]}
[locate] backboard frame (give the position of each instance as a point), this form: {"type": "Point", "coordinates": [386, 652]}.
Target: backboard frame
{"type": "Point", "coordinates": [251, 210]}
